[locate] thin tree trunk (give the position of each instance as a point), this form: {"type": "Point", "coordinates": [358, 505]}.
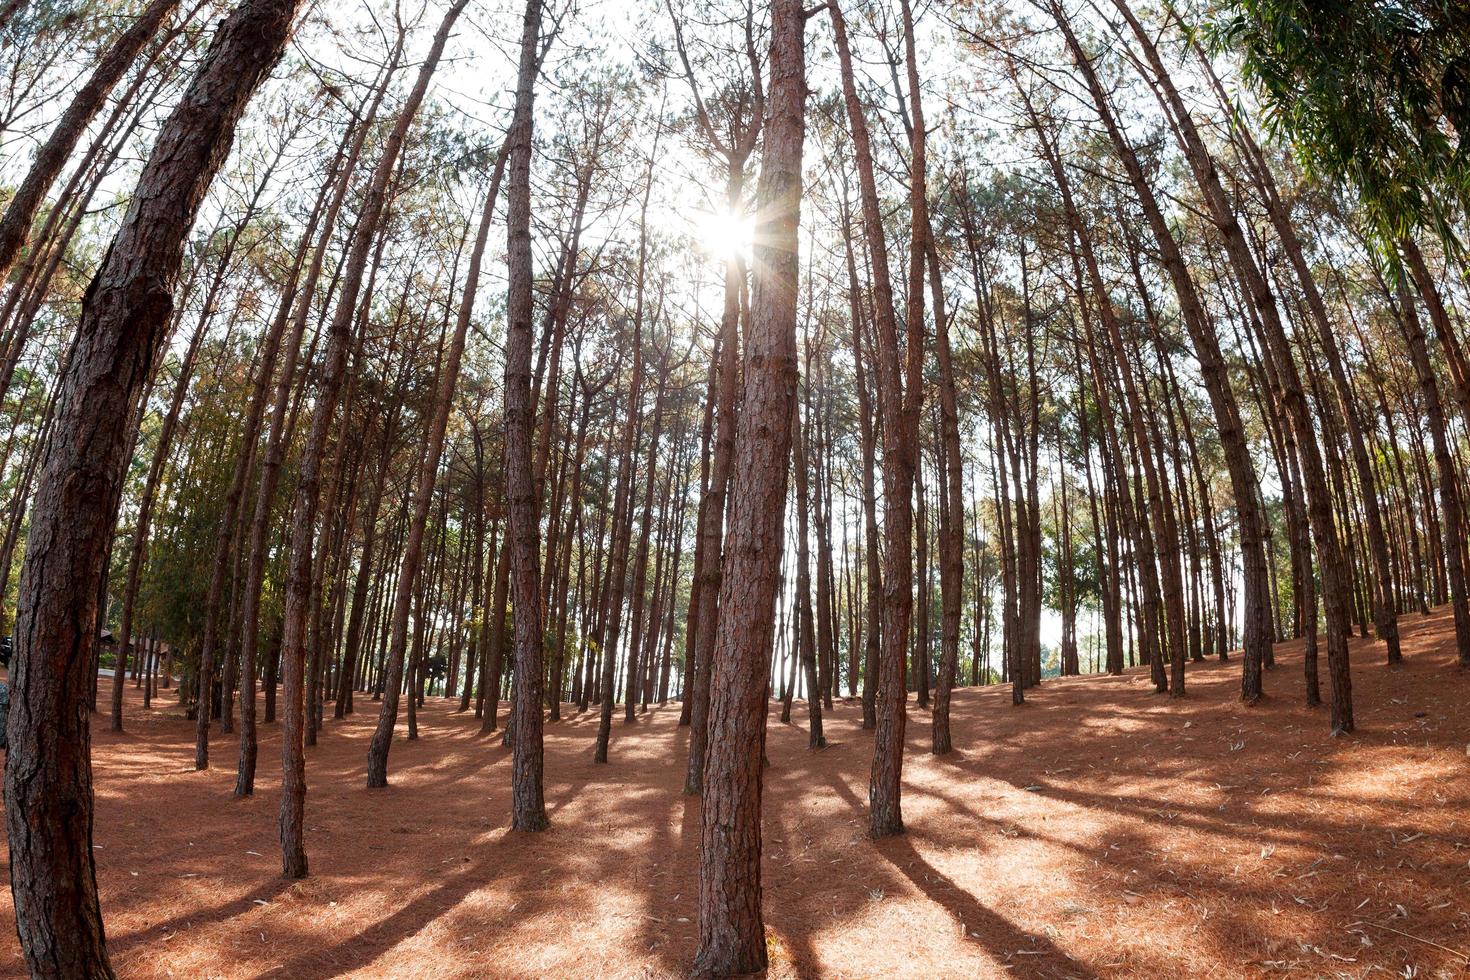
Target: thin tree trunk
{"type": "Point", "coordinates": [885, 789]}
{"type": "Point", "coordinates": [423, 492]}
{"type": "Point", "coordinates": [528, 809]}
{"type": "Point", "coordinates": [1444, 459]}
{"type": "Point", "coordinates": [299, 590]}
{"type": "Point", "coordinates": [15, 226]}
{"type": "Point", "coordinates": [1253, 528]}
{"type": "Point", "coordinates": [225, 553]}
{"type": "Point", "coordinates": [806, 621]}
{"type": "Point", "coordinates": [713, 509]}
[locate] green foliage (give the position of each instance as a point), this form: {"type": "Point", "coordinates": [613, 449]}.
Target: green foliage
{"type": "Point", "coordinates": [1373, 95]}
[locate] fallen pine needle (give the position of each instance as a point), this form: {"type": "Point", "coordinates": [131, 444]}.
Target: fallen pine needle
{"type": "Point", "coordinates": [1417, 939]}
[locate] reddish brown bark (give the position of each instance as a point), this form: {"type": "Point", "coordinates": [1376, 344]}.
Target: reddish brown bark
{"type": "Point", "coordinates": [731, 931]}
{"type": "Point", "coordinates": [1451, 504]}
{"type": "Point", "coordinates": [48, 775]}
{"type": "Point", "coordinates": [528, 809]}
{"type": "Point", "coordinates": [448, 375]}
{"type": "Point", "coordinates": [806, 619]}
{"type": "Point", "coordinates": [885, 785]}
{"type": "Point", "coordinates": [1253, 527]}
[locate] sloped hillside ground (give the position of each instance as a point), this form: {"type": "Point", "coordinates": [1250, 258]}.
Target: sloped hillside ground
{"type": "Point", "coordinates": [1099, 830]}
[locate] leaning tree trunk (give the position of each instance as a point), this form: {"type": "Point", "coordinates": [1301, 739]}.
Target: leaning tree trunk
{"type": "Point", "coordinates": [1331, 562]}
{"type": "Point", "coordinates": [731, 932]}
{"type": "Point", "coordinates": [1451, 505]}
{"type": "Point", "coordinates": [138, 550]}
{"type": "Point", "coordinates": [298, 576]}
{"type": "Point", "coordinates": [1385, 605]}
{"type": "Point", "coordinates": [951, 483]}
{"type": "Point", "coordinates": [885, 789]}
{"type": "Point", "coordinates": [1253, 528]}
{"type": "Point", "coordinates": [224, 547]}
{"type": "Point", "coordinates": [428, 469]}
{"type": "Point", "coordinates": [48, 772]}
{"type": "Point", "coordinates": [15, 226]}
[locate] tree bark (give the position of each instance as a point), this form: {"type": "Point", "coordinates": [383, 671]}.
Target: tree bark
{"type": "Point", "coordinates": [528, 808]}
{"type": "Point", "coordinates": [15, 226]}
{"type": "Point", "coordinates": [731, 931]}
{"type": "Point", "coordinates": [713, 508]}
{"type": "Point", "coordinates": [48, 777]}
{"type": "Point", "coordinates": [1253, 528]}
{"type": "Point", "coordinates": [806, 620]}
{"type": "Point", "coordinates": [423, 493]}
{"type": "Point", "coordinates": [884, 788]}
{"type": "Point", "coordinates": [1450, 504]}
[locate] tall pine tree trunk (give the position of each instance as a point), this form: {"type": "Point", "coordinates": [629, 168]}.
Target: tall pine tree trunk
{"type": "Point", "coordinates": [48, 771]}
{"type": "Point", "coordinates": [528, 809]}
{"type": "Point", "coordinates": [731, 931]}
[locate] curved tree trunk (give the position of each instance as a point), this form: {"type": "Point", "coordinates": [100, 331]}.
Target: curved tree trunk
{"type": "Point", "coordinates": [423, 493]}
{"type": "Point", "coordinates": [291, 314]}
{"type": "Point", "coordinates": [299, 593]}
{"type": "Point", "coordinates": [52, 155]}
{"type": "Point", "coordinates": [1253, 528]}
{"type": "Point", "coordinates": [48, 772]}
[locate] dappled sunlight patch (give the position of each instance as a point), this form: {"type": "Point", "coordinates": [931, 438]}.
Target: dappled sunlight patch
{"type": "Point", "coordinates": [1101, 831]}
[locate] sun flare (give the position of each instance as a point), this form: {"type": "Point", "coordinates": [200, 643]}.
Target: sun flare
{"type": "Point", "coordinates": [724, 233]}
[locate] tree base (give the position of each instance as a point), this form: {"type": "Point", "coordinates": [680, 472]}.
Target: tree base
{"type": "Point", "coordinates": [883, 825]}
{"type": "Point", "coordinates": [725, 962]}
{"type": "Point", "coordinates": [531, 823]}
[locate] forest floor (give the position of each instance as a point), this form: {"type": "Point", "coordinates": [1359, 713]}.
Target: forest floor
{"type": "Point", "coordinates": [1098, 831]}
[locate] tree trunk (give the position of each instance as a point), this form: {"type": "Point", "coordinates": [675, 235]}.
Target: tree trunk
{"type": "Point", "coordinates": [423, 493]}
{"type": "Point", "coordinates": [951, 512]}
{"type": "Point", "coordinates": [15, 226]}
{"type": "Point", "coordinates": [713, 508]}
{"type": "Point", "coordinates": [806, 621]}
{"type": "Point", "coordinates": [225, 553]}
{"type": "Point", "coordinates": [1444, 458]}
{"type": "Point", "coordinates": [884, 789]}
{"type": "Point", "coordinates": [731, 931]}
{"type": "Point", "coordinates": [299, 592]}
{"type": "Point", "coordinates": [528, 809]}
{"type": "Point", "coordinates": [1253, 529]}
{"type": "Point", "coordinates": [48, 778]}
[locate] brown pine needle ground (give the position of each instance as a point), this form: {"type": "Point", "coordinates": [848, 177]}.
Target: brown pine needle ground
{"type": "Point", "coordinates": [1098, 831]}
